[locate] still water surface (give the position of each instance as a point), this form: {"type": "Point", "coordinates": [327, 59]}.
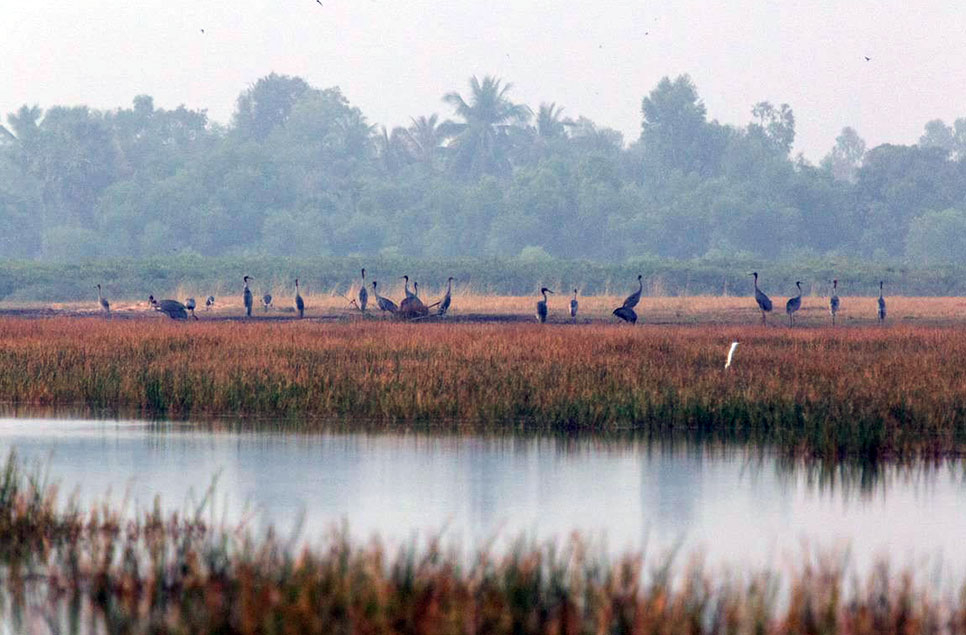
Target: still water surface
{"type": "Point", "coordinates": [733, 507]}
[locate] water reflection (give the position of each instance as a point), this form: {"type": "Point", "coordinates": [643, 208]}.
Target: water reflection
{"type": "Point", "coordinates": [737, 505]}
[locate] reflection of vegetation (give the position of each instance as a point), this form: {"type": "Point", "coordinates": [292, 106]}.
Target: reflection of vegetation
{"type": "Point", "coordinates": [859, 394]}
{"type": "Point", "coordinates": [95, 570]}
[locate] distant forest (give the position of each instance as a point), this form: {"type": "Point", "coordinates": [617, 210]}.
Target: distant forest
{"type": "Point", "coordinates": [299, 172]}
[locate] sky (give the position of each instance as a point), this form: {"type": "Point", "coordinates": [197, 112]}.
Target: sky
{"type": "Point", "coordinates": [595, 58]}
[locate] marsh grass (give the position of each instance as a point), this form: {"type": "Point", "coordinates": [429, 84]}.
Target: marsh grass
{"type": "Point", "coordinates": [97, 570]}
{"type": "Point", "coordinates": [863, 394]}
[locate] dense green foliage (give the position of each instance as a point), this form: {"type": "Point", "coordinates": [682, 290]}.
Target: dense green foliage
{"type": "Point", "coordinates": [300, 172]}
{"type": "Point", "coordinates": [24, 281]}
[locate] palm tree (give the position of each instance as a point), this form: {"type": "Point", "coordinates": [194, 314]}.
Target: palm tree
{"type": "Point", "coordinates": [491, 122]}
{"type": "Point", "coordinates": [549, 122]}
{"type": "Point", "coordinates": [425, 138]}
{"type": "Point", "coordinates": [392, 149]}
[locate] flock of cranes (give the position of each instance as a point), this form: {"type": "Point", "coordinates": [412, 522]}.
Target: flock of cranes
{"type": "Point", "coordinates": [795, 303]}
{"type": "Point", "coordinates": [412, 306]}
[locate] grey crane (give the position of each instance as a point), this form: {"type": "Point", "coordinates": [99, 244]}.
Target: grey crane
{"type": "Point", "coordinates": [627, 314]}
{"type": "Point", "coordinates": [764, 302]}
{"type": "Point", "coordinates": [385, 304]}
{"type": "Point", "coordinates": [247, 296]}
{"type": "Point", "coordinates": [542, 305]}
{"type": "Point", "coordinates": [631, 301]}
{"type": "Point", "coordinates": [573, 307]}
{"type": "Point", "coordinates": [363, 294]}
{"type": "Point", "coordinates": [190, 305]}
{"type": "Point", "coordinates": [267, 301]}
{"type": "Point", "coordinates": [447, 299]}
{"type": "Point", "coordinates": [172, 308]}
{"type": "Point", "coordinates": [105, 305]}
{"type": "Point", "coordinates": [794, 304]}
{"type": "Point", "coordinates": [833, 302]}
{"type": "Point", "coordinates": [299, 302]}
{"type": "Point", "coordinates": [412, 306]}
{"type": "Point", "coordinates": [209, 302]}
{"type": "Point", "coordinates": [409, 294]}
{"type": "Point", "coordinates": [882, 306]}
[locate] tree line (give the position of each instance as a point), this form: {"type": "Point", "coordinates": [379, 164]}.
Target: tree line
{"type": "Point", "coordinates": [300, 172]}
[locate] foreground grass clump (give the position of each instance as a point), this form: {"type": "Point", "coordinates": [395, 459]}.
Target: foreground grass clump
{"type": "Point", "coordinates": [865, 393]}
{"type": "Point", "coordinates": [96, 571]}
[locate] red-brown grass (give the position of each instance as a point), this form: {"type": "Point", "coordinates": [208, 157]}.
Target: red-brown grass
{"type": "Point", "coordinates": [865, 393]}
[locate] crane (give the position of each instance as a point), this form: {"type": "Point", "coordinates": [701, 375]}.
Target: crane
{"type": "Point", "coordinates": [190, 305]}
{"type": "Point", "coordinates": [882, 305]}
{"type": "Point", "coordinates": [105, 305]}
{"type": "Point", "coordinates": [631, 301]}
{"type": "Point", "coordinates": [409, 294]}
{"type": "Point", "coordinates": [542, 305]}
{"type": "Point", "coordinates": [363, 294]}
{"type": "Point", "coordinates": [385, 304]}
{"type": "Point", "coordinates": [299, 302]}
{"type": "Point", "coordinates": [247, 297]}
{"type": "Point", "coordinates": [267, 301]}
{"type": "Point", "coordinates": [833, 302]}
{"type": "Point", "coordinates": [794, 304]}
{"type": "Point", "coordinates": [573, 307]}
{"type": "Point", "coordinates": [447, 299]}
{"type": "Point", "coordinates": [764, 302]}
{"type": "Point", "coordinates": [626, 314]}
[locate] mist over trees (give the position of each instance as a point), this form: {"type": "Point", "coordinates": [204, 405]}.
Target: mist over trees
{"type": "Point", "coordinates": [301, 172]}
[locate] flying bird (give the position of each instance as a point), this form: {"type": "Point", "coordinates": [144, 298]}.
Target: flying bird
{"type": "Point", "coordinates": [731, 354]}
{"type": "Point", "coordinates": [868, 59]}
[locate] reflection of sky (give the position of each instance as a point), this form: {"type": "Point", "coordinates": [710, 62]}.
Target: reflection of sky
{"type": "Point", "coordinates": [733, 509]}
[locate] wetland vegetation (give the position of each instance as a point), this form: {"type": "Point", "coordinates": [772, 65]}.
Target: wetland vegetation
{"type": "Point", "coordinates": [67, 568]}
{"type": "Point", "coordinates": [853, 393]}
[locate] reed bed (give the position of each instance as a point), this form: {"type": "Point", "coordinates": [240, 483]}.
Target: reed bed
{"type": "Point", "coordinates": [861, 393]}
{"type": "Point", "coordinates": [66, 569]}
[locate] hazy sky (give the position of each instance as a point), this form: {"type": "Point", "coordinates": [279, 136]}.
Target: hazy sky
{"type": "Point", "coordinates": [395, 60]}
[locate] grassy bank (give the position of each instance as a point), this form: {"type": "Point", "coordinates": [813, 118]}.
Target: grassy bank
{"type": "Point", "coordinates": [30, 281]}
{"type": "Point", "coordinates": [860, 393]}
{"type": "Point", "coordinates": [93, 570]}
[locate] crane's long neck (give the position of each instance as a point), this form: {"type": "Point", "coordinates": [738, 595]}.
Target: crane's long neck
{"type": "Point", "coordinates": [407, 284]}
{"type": "Point", "coordinates": [449, 286]}
{"type": "Point", "coordinates": [544, 295]}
